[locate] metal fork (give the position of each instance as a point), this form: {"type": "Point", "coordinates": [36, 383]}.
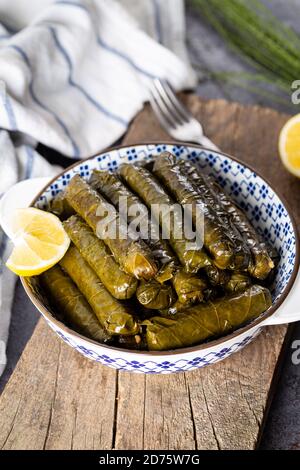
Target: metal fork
{"type": "Point", "coordinates": [175, 118]}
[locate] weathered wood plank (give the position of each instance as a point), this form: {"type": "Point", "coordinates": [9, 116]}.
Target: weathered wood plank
{"type": "Point", "coordinates": [130, 415]}
{"type": "Point", "coordinates": [83, 406]}
{"type": "Point", "coordinates": [230, 399]}
{"type": "Point", "coordinates": [168, 420]}
{"type": "Point", "coordinates": [25, 406]}
{"type": "Point", "coordinates": [57, 399]}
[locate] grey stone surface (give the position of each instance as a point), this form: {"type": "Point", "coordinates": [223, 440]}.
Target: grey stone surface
{"type": "Point", "coordinates": [282, 430]}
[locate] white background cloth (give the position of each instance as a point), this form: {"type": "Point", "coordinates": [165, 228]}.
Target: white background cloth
{"type": "Point", "coordinates": [73, 73]}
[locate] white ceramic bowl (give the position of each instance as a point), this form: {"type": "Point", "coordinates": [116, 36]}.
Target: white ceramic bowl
{"type": "Point", "coordinates": [264, 208]}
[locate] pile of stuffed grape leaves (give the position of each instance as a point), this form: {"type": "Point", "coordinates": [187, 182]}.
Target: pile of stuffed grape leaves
{"type": "Point", "coordinates": [133, 278]}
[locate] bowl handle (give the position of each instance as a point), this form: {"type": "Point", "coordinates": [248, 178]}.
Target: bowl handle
{"type": "Point", "coordinates": [289, 311]}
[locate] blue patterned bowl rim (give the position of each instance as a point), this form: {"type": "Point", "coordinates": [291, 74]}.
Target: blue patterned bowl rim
{"type": "Point", "coordinates": [42, 308]}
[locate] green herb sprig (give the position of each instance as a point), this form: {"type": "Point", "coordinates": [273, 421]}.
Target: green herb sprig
{"type": "Point", "coordinates": [258, 36]}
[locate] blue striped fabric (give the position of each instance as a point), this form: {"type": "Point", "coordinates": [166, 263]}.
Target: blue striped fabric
{"type": "Point", "coordinates": [71, 81]}
{"type": "Point", "coordinates": [125, 57]}
{"type": "Point", "coordinates": [159, 30]}
{"type": "Point", "coordinates": [57, 118]}
{"type": "Point", "coordinates": [132, 62]}
{"type": "Point", "coordinates": [29, 162]}
{"type": "Point", "coordinates": [107, 47]}
{"type": "Point", "coordinates": [9, 110]}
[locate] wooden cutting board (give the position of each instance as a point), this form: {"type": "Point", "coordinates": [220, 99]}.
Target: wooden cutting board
{"type": "Point", "coordinates": [57, 399]}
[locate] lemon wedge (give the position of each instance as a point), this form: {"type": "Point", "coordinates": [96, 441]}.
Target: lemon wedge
{"type": "Point", "coordinates": [289, 145]}
{"type": "Point", "coordinates": [39, 239]}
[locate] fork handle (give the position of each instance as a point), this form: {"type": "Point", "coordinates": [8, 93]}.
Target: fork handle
{"type": "Point", "coordinates": [206, 142]}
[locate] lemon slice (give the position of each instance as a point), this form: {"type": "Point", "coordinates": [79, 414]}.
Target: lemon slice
{"type": "Point", "coordinates": [289, 145]}
{"type": "Point", "coordinates": [39, 239]}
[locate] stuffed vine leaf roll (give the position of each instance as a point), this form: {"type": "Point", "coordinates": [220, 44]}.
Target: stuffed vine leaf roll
{"type": "Point", "coordinates": [154, 295]}
{"type": "Point", "coordinates": [143, 183]}
{"type": "Point", "coordinates": [131, 207]}
{"type": "Point", "coordinates": [204, 321]}
{"type": "Point", "coordinates": [261, 264]}
{"type": "Point", "coordinates": [242, 254]}
{"type": "Point", "coordinates": [189, 288]}
{"type": "Point", "coordinates": [113, 316]}
{"type": "Point", "coordinates": [216, 276]}
{"type": "Point", "coordinates": [130, 342]}
{"type": "Point", "coordinates": [69, 301]}
{"type": "Point", "coordinates": [132, 255]}
{"type": "Point", "coordinates": [208, 294]}
{"type": "Point", "coordinates": [175, 308]}
{"type": "Point", "coordinates": [216, 240]}
{"type": "Point", "coordinates": [187, 285]}
{"type": "Point", "coordinates": [238, 282]}
{"type": "Point", "coordinates": [120, 284]}
{"type": "Point", "coordinates": [60, 206]}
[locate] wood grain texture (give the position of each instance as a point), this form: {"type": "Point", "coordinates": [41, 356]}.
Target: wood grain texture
{"type": "Point", "coordinates": [57, 399]}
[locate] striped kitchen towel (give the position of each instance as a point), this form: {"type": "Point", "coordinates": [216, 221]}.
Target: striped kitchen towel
{"type": "Point", "coordinates": [76, 72]}
{"type": "Point", "coordinates": [73, 74]}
